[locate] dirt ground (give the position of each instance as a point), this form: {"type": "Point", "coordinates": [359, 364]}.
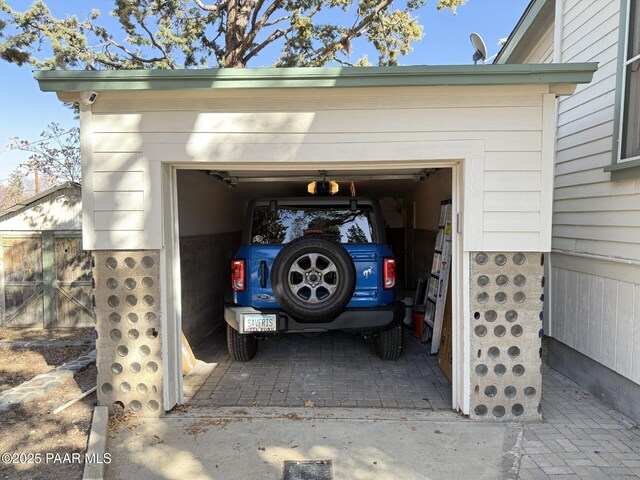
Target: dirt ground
{"type": "Point", "coordinates": [32, 429]}
{"type": "Point", "coordinates": [30, 432]}
{"type": "Point", "coordinates": [28, 334]}
{"type": "Point", "coordinates": [22, 364]}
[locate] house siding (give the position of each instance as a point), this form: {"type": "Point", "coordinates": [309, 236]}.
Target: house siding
{"type": "Point", "coordinates": [133, 133]}
{"type": "Point", "coordinates": [594, 286]}
{"type": "Point", "coordinates": [543, 50]}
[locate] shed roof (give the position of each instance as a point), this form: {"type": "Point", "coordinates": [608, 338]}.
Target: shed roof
{"type": "Point", "coordinates": [558, 75]}
{"type": "Point", "coordinates": [38, 213]}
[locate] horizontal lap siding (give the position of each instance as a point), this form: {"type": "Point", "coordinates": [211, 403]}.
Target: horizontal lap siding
{"type": "Point", "coordinates": [118, 199]}
{"type": "Point", "coordinates": [323, 127]}
{"type": "Point", "coordinates": [595, 305]}
{"type": "Point", "coordinates": [583, 191]}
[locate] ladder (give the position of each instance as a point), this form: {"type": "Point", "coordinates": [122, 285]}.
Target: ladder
{"type": "Point", "coordinates": [436, 294]}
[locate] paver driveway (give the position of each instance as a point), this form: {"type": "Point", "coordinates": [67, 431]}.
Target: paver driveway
{"type": "Point", "coordinates": [331, 369]}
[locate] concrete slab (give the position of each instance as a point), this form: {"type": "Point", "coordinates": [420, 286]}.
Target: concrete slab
{"type": "Point", "coordinates": [373, 444]}
{"type": "Point", "coordinates": [97, 445]}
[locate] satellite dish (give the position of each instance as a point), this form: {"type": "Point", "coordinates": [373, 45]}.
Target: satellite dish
{"type": "Point", "coordinates": [480, 48]}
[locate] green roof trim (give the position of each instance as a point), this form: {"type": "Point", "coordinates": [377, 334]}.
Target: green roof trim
{"type": "Point", "coordinates": [79, 81]}
{"type": "Point", "coordinates": [527, 19]}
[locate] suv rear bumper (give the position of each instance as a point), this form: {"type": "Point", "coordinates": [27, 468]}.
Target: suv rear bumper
{"type": "Point", "coordinates": [352, 320]}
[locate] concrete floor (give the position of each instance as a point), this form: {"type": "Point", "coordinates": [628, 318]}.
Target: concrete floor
{"type": "Point", "coordinates": [580, 438]}
{"type": "Point", "coordinates": [232, 443]}
{"type": "Point", "coordinates": [330, 369]}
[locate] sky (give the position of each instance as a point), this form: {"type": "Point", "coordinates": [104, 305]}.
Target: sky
{"type": "Point", "coordinates": [26, 111]}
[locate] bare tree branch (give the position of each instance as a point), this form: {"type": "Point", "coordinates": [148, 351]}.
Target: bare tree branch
{"type": "Point", "coordinates": [271, 38]}
{"type": "Point", "coordinates": [152, 38]}
{"type": "Point", "coordinates": [353, 32]}
{"type": "Point", "coordinates": [215, 8]}
{"type": "Point", "coordinates": [258, 25]}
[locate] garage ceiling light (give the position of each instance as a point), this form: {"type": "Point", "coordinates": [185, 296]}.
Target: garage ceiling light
{"type": "Point", "coordinates": [323, 188]}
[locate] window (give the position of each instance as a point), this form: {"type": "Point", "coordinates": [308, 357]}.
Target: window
{"type": "Point", "coordinates": [630, 124]}
{"type": "Point", "coordinates": [288, 223]}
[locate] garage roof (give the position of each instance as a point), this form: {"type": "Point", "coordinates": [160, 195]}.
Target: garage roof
{"type": "Point", "coordinates": [560, 75]}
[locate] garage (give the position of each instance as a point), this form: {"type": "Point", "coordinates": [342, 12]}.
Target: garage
{"type": "Point", "coordinates": [328, 369]}
{"type": "Point", "coordinates": [146, 133]}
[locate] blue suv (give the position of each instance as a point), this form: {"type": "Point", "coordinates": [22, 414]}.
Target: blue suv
{"type": "Point", "coordinates": [314, 264]}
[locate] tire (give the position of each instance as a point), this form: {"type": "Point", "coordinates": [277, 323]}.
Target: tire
{"type": "Point", "coordinates": [242, 348]}
{"type": "Point", "coordinates": [313, 279]}
{"type": "Point", "coordinates": [388, 344]}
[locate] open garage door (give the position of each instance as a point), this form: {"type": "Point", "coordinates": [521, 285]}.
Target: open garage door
{"type": "Point", "coordinates": [326, 369]}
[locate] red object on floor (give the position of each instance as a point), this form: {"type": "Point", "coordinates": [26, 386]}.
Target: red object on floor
{"type": "Point", "coordinates": [418, 321]}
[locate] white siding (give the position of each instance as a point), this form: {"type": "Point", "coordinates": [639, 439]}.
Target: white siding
{"type": "Point", "coordinates": [118, 180]}
{"type": "Point", "coordinates": [596, 310]}
{"type": "Point", "coordinates": [497, 130]}
{"type": "Point", "coordinates": [60, 210]}
{"type": "Point", "coordinates": [593, 215]}
{"type": "Point", "coordinates": [542, 51]}
{"type": "Point", "coordinates": [595, 305]}
{"type": "Point", "coordinates": [598, 314]}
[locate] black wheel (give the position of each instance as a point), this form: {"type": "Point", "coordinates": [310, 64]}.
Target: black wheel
{"type": "Point", "coordinates": [388, 344]}
{"type": "Point", "coordinates": [313, 279]}
{"type": "Point", "coordinates": [242, 348]}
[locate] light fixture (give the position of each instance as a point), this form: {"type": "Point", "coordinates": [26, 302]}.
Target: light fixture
{"type": "Point", "coordinates": [324, 187]}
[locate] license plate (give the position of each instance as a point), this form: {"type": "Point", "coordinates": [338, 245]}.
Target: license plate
{"type": "Point", "coordinates": [260, 322]}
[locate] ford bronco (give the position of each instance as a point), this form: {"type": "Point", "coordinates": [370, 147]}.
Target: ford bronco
{"type": "Point", "coordinates": [313, 264]}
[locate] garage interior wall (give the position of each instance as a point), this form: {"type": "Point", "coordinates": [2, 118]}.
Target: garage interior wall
{"type": "Point", "coordinates": [210, 224]}
{"type": "Point", "coordinates": [426, 202]}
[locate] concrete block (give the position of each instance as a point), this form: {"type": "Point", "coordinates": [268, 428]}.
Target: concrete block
{"type": "Point", "coordinates": [506, 301]}
{"type": "Point", "coordinates": [129, 348]}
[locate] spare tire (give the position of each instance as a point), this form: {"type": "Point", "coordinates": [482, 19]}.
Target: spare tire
{"type": "Point", "coordinates": [313, 279]}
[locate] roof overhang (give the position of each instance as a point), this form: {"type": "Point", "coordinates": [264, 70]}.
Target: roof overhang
{"type": "Point", "coordinates": [561, 78]}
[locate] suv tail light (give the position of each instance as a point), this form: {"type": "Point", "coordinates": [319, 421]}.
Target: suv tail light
{"type": "Point", "coordinates": [389, 273]}
{"type": "Point", "coordinates": [237, 275]}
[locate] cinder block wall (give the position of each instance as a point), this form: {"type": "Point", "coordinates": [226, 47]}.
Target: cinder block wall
{"type": "Point", "coordinates": [506, 331]}
{"type": "Point", "coordinates": [129, 349]}
{"type": "Point", "coordinates": [205, 265]}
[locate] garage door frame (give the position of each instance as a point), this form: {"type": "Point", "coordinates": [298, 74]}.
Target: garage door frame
{"type": "Point", "coordinates": [467, 174]}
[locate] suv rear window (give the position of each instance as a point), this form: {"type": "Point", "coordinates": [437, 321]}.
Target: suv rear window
{"type": "Point", "coordinates": [288, 223]}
